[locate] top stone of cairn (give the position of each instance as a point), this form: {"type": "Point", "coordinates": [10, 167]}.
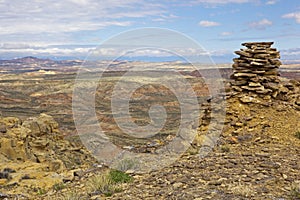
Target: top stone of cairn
{"type": "Point", "coordinates": [258, 44]}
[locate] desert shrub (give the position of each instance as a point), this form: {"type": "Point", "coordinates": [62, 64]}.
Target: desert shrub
{"type": "Point", "coordinates": [240, 189]}
{"type": "Point", "coordinates": [192, 151]}
{"type": "Point", "coordinates": [295, 190]}
{"type": "Point", "coordinates": [297, 134]}
{"type": "Point", "coordinates": [108, 182]}
{"type": "Point", "coordinates": [40, 191]}
{"type": "Point", "coordinates": [58, 186]}
{"type": "Point", "coordinates": [119, 177]}
{"type": "Point", "coordinates": [127, 164]}
{"type": "Point", "coordinates": [225, 148]}
{"type": "Point", "coordinates": [70, 195]}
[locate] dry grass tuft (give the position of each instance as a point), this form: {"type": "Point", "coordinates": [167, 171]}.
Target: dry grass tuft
{"type": "Point", "coordinates": [241, 189]}
{"type": "Point", "coordinates": [295, 190]}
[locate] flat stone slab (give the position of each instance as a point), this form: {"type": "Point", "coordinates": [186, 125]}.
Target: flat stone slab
{"type": "Point", "coordinates": [252, 84]}
{"type": "Point", "coordinates": [259, 88]}
{"type": "Point", "coordinates": [243, 53]}
{"type": "Point", "coordinates": [244, 75]}
{"type": "Point", "coordinates": [275, 62]}
{"type": "Point", "coordinates": [259, 44]}
{"type": "Point", "coordinates": [257, 60]}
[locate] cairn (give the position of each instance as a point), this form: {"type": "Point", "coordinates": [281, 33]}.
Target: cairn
{"type": "Point", "coordinates": [256, 70]}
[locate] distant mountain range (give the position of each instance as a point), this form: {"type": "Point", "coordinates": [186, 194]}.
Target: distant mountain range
{"type": "Point", "coordinates": [31, 63]}
{"type": "Point", "coordinates": [224, 59]}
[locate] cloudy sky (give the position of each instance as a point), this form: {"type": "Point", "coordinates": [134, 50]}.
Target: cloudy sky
{"type": "Point", "coordinates": [72, 28]}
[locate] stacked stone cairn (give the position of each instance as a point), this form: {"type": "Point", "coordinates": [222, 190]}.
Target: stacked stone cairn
{"type": "Point", "coordinates": [255, 71]}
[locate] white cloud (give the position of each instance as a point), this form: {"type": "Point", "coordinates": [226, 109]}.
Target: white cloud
{"type": "Point", "coordinates": [271, 2]}
{"type": "Point", "coordinates": [261, 25]}
{"type": "Point", "coordinates": [292, 54]}
{"type": "Point", "coordinates": [220, 52]}
{"type": "Point", "coordinates": [226, 33]}
{"type": "Point", "coordinates": [164, 18]}
{"type": "Point", "coordinates": [41, 49]}
{"type": "Point", "coordinates": [205, 23]}
{"type": "Point", "coordinates": [80, 2]}
{"type": "Point", "coordinates": [221, 1]}
{"type": "Point", "coordinates": [295, 15]}
{"type": "Point", "coordinates": [55, 27]}
{"type": "Point", "coordinates": [289, 52]}
{"type": "Point", "coordinates": [52, 16]}
{"type": "Point", "coordinates": [154, 52]}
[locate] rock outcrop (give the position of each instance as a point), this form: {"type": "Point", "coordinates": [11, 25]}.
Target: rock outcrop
{"type": "Point", "coordinates": [37, 154]}
{"type": "Point", "coordinates": [37, 139]}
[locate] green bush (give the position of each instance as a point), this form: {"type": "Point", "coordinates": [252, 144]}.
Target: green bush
{"type": "Point", "coordinates": [119, 177]}
{"type": "Point", "coordinates": [58, 186]}
{"type": "Point", "coordinates": [40, 191]}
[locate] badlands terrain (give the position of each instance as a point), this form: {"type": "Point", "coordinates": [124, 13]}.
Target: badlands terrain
{"type": "Point", "coordinates": [255, 156]}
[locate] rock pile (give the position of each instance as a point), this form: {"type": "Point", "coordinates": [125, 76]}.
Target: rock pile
{"type": "Point", "coordinates": [255, 70]}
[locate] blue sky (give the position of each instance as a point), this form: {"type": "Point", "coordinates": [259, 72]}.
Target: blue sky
{"type": "Point", "coordinates": [72, 28]}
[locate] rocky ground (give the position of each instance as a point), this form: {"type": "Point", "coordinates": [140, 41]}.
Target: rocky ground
{"type": "Point", "coordinates": [256, 156]}
{"type": "Point", "coordinates": [260, 162]}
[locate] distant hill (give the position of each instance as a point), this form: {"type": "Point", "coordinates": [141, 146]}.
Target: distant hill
{"type": "Point", "coordinates": [30, 59]}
